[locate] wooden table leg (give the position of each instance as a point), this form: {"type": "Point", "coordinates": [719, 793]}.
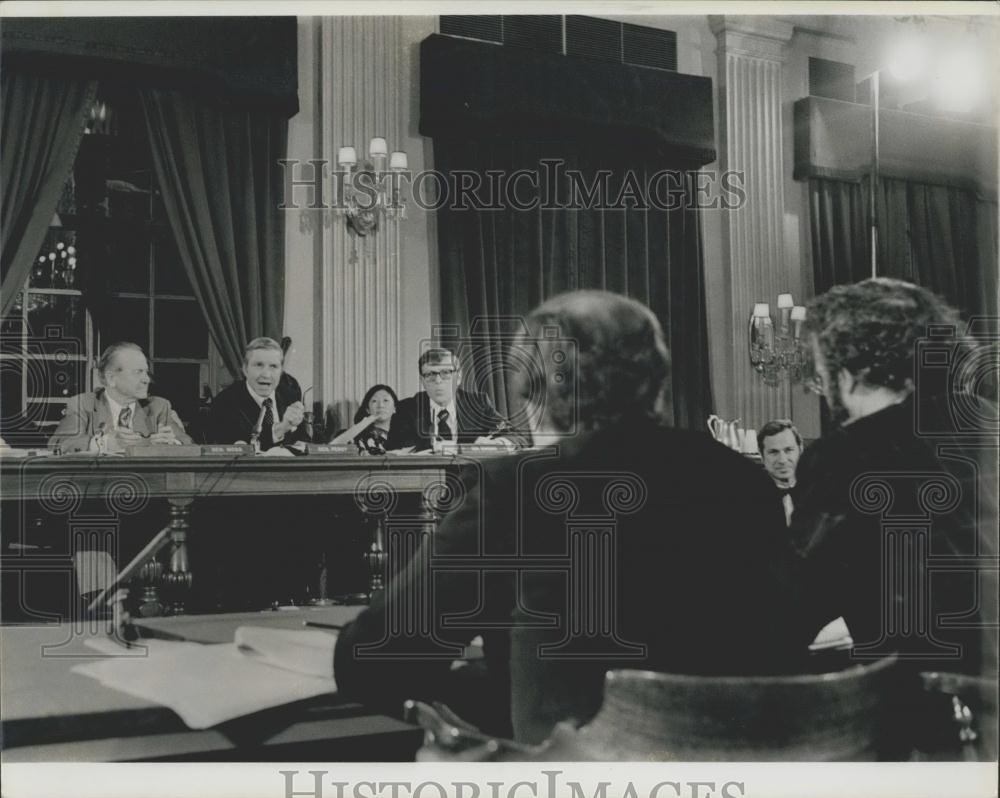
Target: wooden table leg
{"type": "Point", "coordinates": [177, 579]}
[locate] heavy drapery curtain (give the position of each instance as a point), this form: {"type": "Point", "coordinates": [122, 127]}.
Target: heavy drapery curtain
{"type": "Point", "coordinates": [496, 265]}
{"type": "Point", "coordinates": [43, 121]}
{"type": "Point", "coordinates": [218, 168]}
{"type": "Point", "coordinates": [943, 238]}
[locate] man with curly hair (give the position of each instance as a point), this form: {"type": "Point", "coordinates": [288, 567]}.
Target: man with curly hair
{"type": "Point", "coordinates": [895, 516]}
{"type": "Point", "coordinates": [622, 543]}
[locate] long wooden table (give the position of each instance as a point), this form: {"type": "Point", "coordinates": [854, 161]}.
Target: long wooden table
{"type": "Point", "coordinates": [126, 484]}
{"type": "Point", "coordinates": [52, 714]}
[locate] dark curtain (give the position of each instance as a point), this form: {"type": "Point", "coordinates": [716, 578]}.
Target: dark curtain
{"type": "Point", "coordinates": [943, 238]}
{"type": "Point", "coordinates": [43, 120]}
{"type": "Point", "coordinates": [218, 169]}
{"type": "Point", "coordinates": [496, 265]}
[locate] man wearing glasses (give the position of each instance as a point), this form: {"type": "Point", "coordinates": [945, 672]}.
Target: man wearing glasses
{"type": "Point", "coordinates": [444, 413]}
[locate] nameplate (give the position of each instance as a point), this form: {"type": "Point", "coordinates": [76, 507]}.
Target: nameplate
{"type": "Point", "coordinates": [6, 451]}
{"type": "Point", "coordinates": [482, 448]}
{"type": "Point", "coordinates": [452, 449]}
{"type": "Point", "coordinates": [339, 449]}
{"type": "Point", "coordinates": [162, 450]}
{"type": "Point", "coordinates": [227, 449]}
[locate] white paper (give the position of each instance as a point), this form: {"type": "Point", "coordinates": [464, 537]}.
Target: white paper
{"type": "Point", "coordinates": [204, 684]}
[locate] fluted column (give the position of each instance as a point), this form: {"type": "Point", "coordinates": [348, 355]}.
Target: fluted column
{"type": "Point", "coordinates": [750, 53]}
{"type": "Point", "coordinates": [358, 302]}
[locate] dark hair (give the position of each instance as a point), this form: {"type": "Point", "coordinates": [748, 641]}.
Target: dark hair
{"type": "Point", "coordinates": [776, 427]}
{"type": "Point", "coordinates": [363, 407]}
{"type": "Point", "coordinates": [871, 329]}
{"type": "Point", "coordinates": [603, 359]}
{"type": "Point", "coordinates": [436, 355]}
{"type": "Point", "coordinates": [108, 356]}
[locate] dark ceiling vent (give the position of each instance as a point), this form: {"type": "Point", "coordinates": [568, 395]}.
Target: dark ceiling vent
{"type": "Point", "coordinates": [534, 32]}
{"type": "Point", "coordinates": [831, 79]}
{"type": "Point", "coordinates": [589, 37]}
{"type": "Point", "coordinates": [487, 28]}
{"type": "Point", "coordinates": [651, 47]}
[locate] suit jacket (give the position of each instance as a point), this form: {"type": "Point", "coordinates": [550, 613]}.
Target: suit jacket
{"type": "Point", "coordinates": [477, 417]}
{"type": "Point", "coordinates": [234, 415]}
{"type": "Point", "coordinates": [854, 486]}
{"type": "Point", "coordinates": [695, 584]}
{"type": "Point", "coordinates": [87, 412]}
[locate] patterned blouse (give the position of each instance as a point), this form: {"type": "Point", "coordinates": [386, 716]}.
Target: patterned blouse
{"type": "Point", "coordinates": [372, 440]}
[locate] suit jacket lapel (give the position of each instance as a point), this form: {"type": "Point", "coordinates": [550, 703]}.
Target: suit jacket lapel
{"type": "Point", "coordinates": [424, 428]}
{"type": "Point", "coordinates": [102, 413]}
{"type": "Point", "coordinates": [142, 423]}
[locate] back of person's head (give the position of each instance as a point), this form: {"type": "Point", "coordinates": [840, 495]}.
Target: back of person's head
{"type": "Point", "coordinates": [871, 328]}
{"type": "Point", "coordinates": [261, 343]}
{"type": "Point", "coordinates": [602, 360]}
{"type": "Point", "coordinates": [109, 358]}
{"type": "Point", "coordinates": [776, 427]}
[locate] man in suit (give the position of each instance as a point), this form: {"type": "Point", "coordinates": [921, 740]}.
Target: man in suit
{"type": "Point", "coordinates": [661, 547]}
{"type": "Point", "coordinates": [780, 445]}
{"type": "Point", "coordinates": [254, 409]}
{"type": "Point", "coordinates": [444, 412]}
{"type": "Point", "coordinates": [909, 472]}
{"type": "Point", "coordinates": [120, 414]}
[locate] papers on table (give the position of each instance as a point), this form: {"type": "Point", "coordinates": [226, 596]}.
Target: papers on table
{"type": "Point", "coordinates": [209, 684]}
{"type": "Point", "coordinates": [834, 635]}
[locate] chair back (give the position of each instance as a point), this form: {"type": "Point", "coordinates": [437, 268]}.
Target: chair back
{"type": "Point", "coordinates": [841, 716]}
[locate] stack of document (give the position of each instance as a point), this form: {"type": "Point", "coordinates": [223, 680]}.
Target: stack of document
{"type": "Point", "coordinates": [210, 684]}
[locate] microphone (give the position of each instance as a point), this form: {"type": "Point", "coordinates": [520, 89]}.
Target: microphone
{"type": "Point", "coordinates": [257, 428]}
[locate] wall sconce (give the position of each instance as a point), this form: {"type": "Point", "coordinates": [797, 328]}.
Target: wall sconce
{"type": "Point", "coordinates": [775, 354]}
{"type": "Point", "coordinates": [370, 193]}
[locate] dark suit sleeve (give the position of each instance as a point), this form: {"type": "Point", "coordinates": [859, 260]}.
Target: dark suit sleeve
{"type": "Point", "coordinates": [483, 419]}
{"type": "Point", "coordinates": [225, 420]}
{"type": "Point", "coordinates": [415, 665]}
{"type": "Point", "coordinates": [403, 427]}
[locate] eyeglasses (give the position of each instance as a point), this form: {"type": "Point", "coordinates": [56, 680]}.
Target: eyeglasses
{"type": "Point", "coordinates": [438, 376]}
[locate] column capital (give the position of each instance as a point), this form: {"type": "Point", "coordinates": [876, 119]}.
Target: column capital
{"type": "Point", "coordinates": [753, 36]}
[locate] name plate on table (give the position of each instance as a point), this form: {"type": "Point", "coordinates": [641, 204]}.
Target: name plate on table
{"type": "Point", "coordinates": [473, 448]}
{"type": "Point", "coordinates": [226, 449]}
{"type": "Point", "coordinates": [339, 449]}
{"type": "Point", "coordinates": [163, 450]}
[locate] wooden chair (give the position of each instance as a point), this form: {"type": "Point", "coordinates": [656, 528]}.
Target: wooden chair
{"type": "Point", "coordinates": [839, 716]}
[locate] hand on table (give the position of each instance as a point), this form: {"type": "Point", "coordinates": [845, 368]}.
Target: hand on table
{"type": "Point", "coordinates": [164, 434]}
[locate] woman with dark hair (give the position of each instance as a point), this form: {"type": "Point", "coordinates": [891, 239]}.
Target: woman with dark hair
{"type": "Point", "coordinates": [379, 404]}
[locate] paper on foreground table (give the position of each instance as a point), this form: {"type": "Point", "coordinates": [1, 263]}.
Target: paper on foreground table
{"type": "Point", "coordinates": [210, 684]}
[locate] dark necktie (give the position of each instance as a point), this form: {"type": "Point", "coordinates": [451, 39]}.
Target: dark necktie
{"type": "Point", "coordinates": [444, 431]}
{"type": "Point", "coordinates": [266, 425]}
{"type": "Point", "coordinates": [785, 492]}
{"type": "Point", "coordinates": [124, 417]}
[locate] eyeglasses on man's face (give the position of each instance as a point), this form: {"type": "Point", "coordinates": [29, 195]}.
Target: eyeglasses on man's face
{"type": "Point", "coordinates": [438, 375]}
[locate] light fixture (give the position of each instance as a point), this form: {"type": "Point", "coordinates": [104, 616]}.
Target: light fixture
{"type": "Point", "coordinates": [779, 353]}
{"type": "Point", "coordinates": [370, 192]}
